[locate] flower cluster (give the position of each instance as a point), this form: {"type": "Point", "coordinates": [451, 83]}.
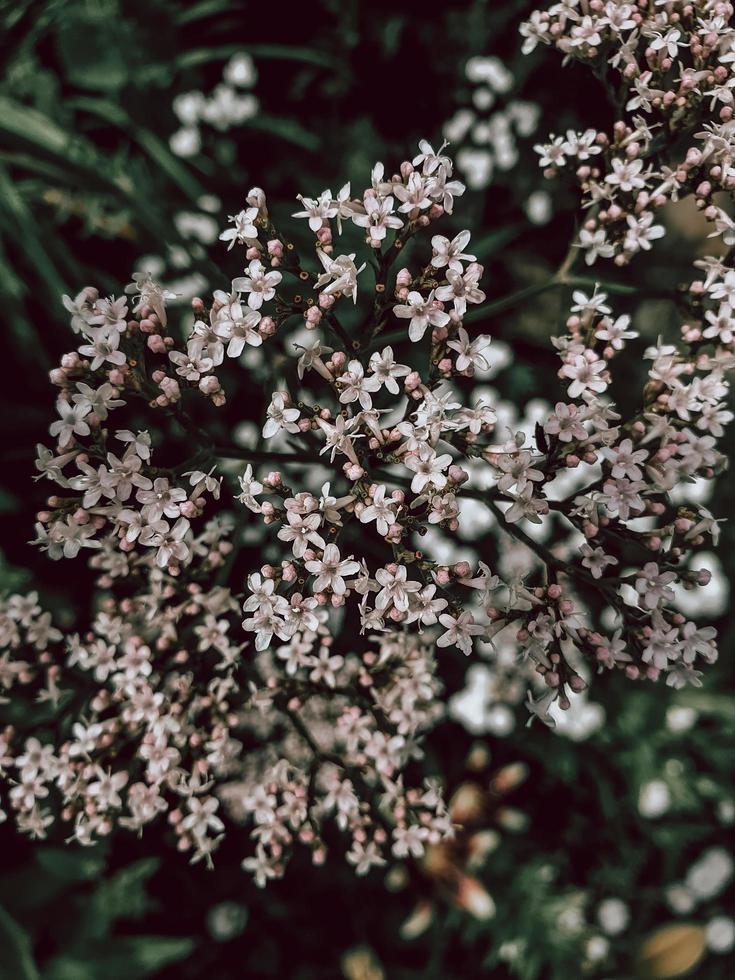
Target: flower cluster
{"type": "Point", "coordinates": [228, 105]}
{"type": "Point", "coordinates": [303, 696]}
{"type": "Point", "coordinates": [487, 133]}
{"type": "Point", "coordinates": [670, 67]}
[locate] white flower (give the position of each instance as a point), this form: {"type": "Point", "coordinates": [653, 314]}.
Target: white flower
{"type": "Point", "coordinates": [240, 70]}
{"type": "Point", "coordinates": [552, 154]}
{"type": "Point", "coordinates": [431, 161]}
{"type": "Point", "coordinates": [324, 667]}
{"type": "Point", "coordinates": [626, 174]}
{"type": "Point", "coordinates": [566, 423]}
{"type": "Point", "coordinates": [357, 387]}
{"type": "Point", "coordinates": [585, 33]}
{"type": "Point", "coordinates": [382, 511]}
{"type": "Point", "coordinates": [424, 607]}
{"type": "Point", "coordinates": [260, 285]}
{"type": "Point", "coordinates": [71, 422]}
{"type": "Point", "coordinates": [339, 437]}
{"type": "Point", "coordinates": [250, 489]}
{"type": "Point", "coordinates": [112, 314]}
{"type": "Point", "coordinates": [147, 292]}
{"type": "Point", "coordinates": [98, 400]}
{"type": "Point", "coordinates": [595, 243]}
{"type": "Point", "coordinates": [668, 42]}
{"type": "Point", "coordinates": [238, 327]}
{"type": "Point", "coordinates": [186, 141]}
{"type": "Point", "coordinates": [428, 467]}
{"type": "Point", "coordinates": [302, 531]}
{"type": "Point", "coordinates": [462, 288]}
{"type": "Point", "coordinates": [244, 230]}
{"type": "Point", "coordinates": [409, 841]}
{"type": "Point", "coordinates": [378, 217]}
{"type": "Point", "coordinates": [585, 375]}
{"type": "Point", "coordinates": [103, 349]}
{"type": "Point", "coordinates": [615, 332]}
{"type": "Point", "coordinates": [259, 866]}
{"type": "Point", "coordinates": [517, 471]}
{"type": "Point", "coordinates": [625, 460]}
{"type": "Point", "coordinates": [442, 190]}
{"type": "Point", "coordinates": [386, 370]}
{"type": "Point", "coordinates": [720, 934]}
{"type": "Point", "coordinates": [188, 107]}
{"type": "Point", "coordinates": [312, 359]}
{"type": "Point", "coordinates": [83, 316]}
{"type": "Point", "coordinates": [330, 506]}
{"type": "Point", "coordinates": [587, 305]}
{"type": "Point", "coordinates": [459, 631]}
{"type": "Point", "coordinates": [622, 496]}
{"type": "Point", "coordinates": [161, 500]}
{"type": "Point", "coordinates": [451, 253]}
{"type": "Point", "coordinates": [331, 570]}
{"type": "Point", "coordinates": [469, 352]}
{"type": "Point", "coordinates": [539, 707]}
{"type": "Point", "coordinates": [526, 505]}
{"type": "Point", "coordinates": [202, 816]}
{"type": "Point", "coordinates": [654, 799]}
{"type": "Point", "coordinates": [596, 560]}
{"type": "Point", "coordinates": [191, 368]}
{"type": "Point", "coordinates": [317, 210]}
{"type": "Point", "coordinates": [280, 417]}
{"type": "Point", "coordinates": [582, 145]}
{"type": "Point", "coordinates": [365, 857]}
{"type": "Point", "coordinates": [613, 916]}
{"type": "Point", "coordinates": [535, 29]}
{"type": "Point", "coordinates": [652, 585]}
{"type": "Point", "coordinates": [422, 313]}
{"type": "Point", "coordinates": [395, 589]}
{"type": "Point", "coordinates": [641, 232]}
{"type": "Point", "coordinates": [413, 195]}
{"type": "Point", "coordinates": [172, 544]}
{"type": "Point", "coordinates": [342, 272]}
{"type": "Point", "coordinates": [105, 790]}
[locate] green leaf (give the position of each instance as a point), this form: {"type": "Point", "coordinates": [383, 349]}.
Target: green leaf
{"type": "Point", "coordinates": [155, 148]}
{"type": "Point", "coordinates": [708, 703]}
{"type": "Point", "coordinates": [9, 503]}
{"type": "Point", "coordinates": [32, 126]}
{"type": "Point", "coordinates": [16, 957]}
{"type": "Point", "coordinates": [92, 51]}
{"type": "Point", "coordinates": [18, 223]}
{"type": "Point", "coordinates": [122, 896]}
{"type": "Point", "coordinates": [492, 243]}
{"type": "Point", "coordinates": [70, 864]}
{"type": "Point", "coordinates": [199, 11]}
{"type": "Point", "coordinates": [77, 155]}
{"type": "Point", "coordinates": [285, 129]}
{"type": "Point", "coordinates": [266, 52]}
{"type": "Point", "coordinates": [120, 958]}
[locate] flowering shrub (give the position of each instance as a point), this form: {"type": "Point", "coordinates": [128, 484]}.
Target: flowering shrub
{"type": "Point", "coordinates": [304, 696]}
